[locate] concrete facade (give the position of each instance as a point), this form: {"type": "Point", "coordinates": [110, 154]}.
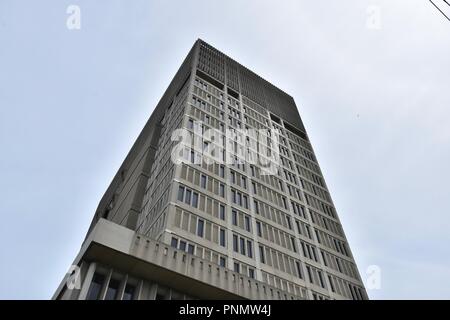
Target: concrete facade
{"type": "Point", "coordinates": [211, 229]}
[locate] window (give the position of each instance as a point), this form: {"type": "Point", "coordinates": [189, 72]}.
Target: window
{"type": "Point", "coordinates": [244, 182]}
{"type": "Point", "coordinates": [242, 245]}
{"type": "Point", "coordinates": [236, 267]}
{"type": "Point", "coordinates": [235, 243]}
{"type": "Point", "coordinates": [203, 181]}
{"type": "Point", "coordinates": [222, 237]}
{"type": "Point", "coordinates": [247, 223]}
{"type": "Point", "coordinates": [190, 249]}
{"type": "Point", "coordinates": [293, 244]}
{"type": "Point", "coordinates": [299, 269]}
{"type": "Point", "coordinates": [234, 217]}
{"type": "Point", "coordinates": [261, 254]}
{"type": "Point", "coordinates": [222, 261]}
{"type": "Point", "coordinates": [95, 287]}
{"type": "Point", "coordinates": [249, 249]}
{"type": "Point", "coordinates": [256, 207]}
{"type": "Point", "coordinates": [174, 242]}
{"type": "Point", "coordinates": [183, 245]}
{"type": "Point", "coordinates": [195, 199]}
{"type": "Point", "coordinates": [222, 190]}
{"type": "Point", "coordinates": [254, 187]}
{"type": "Point", "coordinates": [233, 196]}
{"type": "Point", "coordinates": [288, 220]}
{"type": "Point", "coordinates": [245, 202]}
{"type": "Point", "coordinates": [222, 212]}
{"type": "Point", "coordinates": [113, 287]}
{"type": "Point", "coordinates": [200, 226]}
{"type": "Point", "coordinates": [258, 228]}
{"type": "Point", "coordinates": [128, 294]}
{"type": "Point", "coordinates": [180, 193]}
{"type": "Point", "coordinates": [190, 124]}
{"type": "Point", "coordinates": [221, 171]}
{"type": "Point", "coordinates": [238, 198]}
{"type": "Point", "coordinates": [251, 273]}
{"type": "Point", "coordinates": [188, 196]}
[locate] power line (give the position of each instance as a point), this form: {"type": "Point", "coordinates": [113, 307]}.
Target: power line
{"type": "Point", "coordinates": [440, 9]}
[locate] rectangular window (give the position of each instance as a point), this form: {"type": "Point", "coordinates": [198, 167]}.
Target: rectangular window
{"type": "Point", "coordinates": [222, 212]}
{"type": "Point", "coordinates": [95, 287]}
{"type": "Point", "coordinates": [190, 249]}
{"type": "Point", "coordinates": [247, 223]}
{"type": "Point", "coordinates": [195, 199]}
{"type": "Point", "coordinates": [222, 261]}
{"type": "Point", "coordinates": [242, 245]}
{"type": "Point", "coordinates": [249, 249]}
{"type": "Point", "coordinates": [183, 245]}
{"type": "Point", "coordinates": [174, 242]}
{"type": "Point", "coordinates": [288, 220]}
{"type": "Point", "coordinates": [200, 226]}
{"type": "Point", "coordinates": [180, 193]}
{"type": "Point", "coordinates": [258, 228]}
{"type": "Point", "coordinates": [233, 196]}
{"type": "Point", "coordinates": [236, 267]}
{"type": "Point", "coordinates": [245, 202]}
{"type": "Point", "coordinates": [221, 171]}
{"type": "Point", "coordinates": [234, 217]}
{"type": "Point", "coordinates": [256, 207]}
{"type": "Point", "coordinates": [203, 181]}
{"type": "Point", "coordinates": [190, 124]}
{"type": "Point", "coordinates": [299, 269]}
{"type": "Point", "coordinates": [222, 237]}
{"type": "Point", "coordinates": [251, 273]}
{"type": "Point", "coordinates": [222, 190]}
{"type": "Point", "coordinates": [261, 254]}
{"type": "Point", "coordinates": [188, 197]}
{"type": "Point", "coordinates": [129, 292]}
{"type": "Point", "coordinates": [235, 243]}
{"type": "Point", "coordinates": [293, 244]}
{"type": "Point", "coordinates": [113, 287]}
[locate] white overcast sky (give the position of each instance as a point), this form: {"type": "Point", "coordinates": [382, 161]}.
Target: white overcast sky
{"type": "Point", "coordinates": [375, 103]}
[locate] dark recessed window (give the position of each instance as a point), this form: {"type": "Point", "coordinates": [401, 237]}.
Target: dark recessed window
{"type": "Point", "coordinates": [113, 287]}
{"type": "Point", "coordinates": [96, 287]}
{"type": "Point", "coordinates": [194, 199]}
{"type": "Point", "coordinates": [222, 212]}
{"type": "Point", "coordinates": [180, 193]}
{"type": "Point", "coordinates": [174, 242]}
{"type": "Point", "coordinates": [222, 237]}
{"type": "Point", "coordinates": [129, 292]}
{"type": "Point", "coordinates": [200, 227]}
{"type": "Point", "coordinates": [188, 196]}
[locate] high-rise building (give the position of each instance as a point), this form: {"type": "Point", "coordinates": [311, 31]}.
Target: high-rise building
{"type": "Point", "coordinates": [220, 197]}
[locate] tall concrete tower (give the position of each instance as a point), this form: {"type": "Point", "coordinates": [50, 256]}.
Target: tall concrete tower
{"type": "Point", "coordinates": [220, 197]}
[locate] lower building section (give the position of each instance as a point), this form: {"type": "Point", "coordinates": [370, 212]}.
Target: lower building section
{"type": "Point", "coordinates": [116, 263]}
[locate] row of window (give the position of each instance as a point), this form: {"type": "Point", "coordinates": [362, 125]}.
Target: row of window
{"type": "Point", "coordinates": [197, 250]}
{"type": "Point", "coordinates": [243, 245]}
{"type": "Point", "coordinates": [275, 235]}
{"type": "Point", "coordinates": [200, 227]}
{"type": "Point", "coordinates": [200, 201]}
{"type": "Point", "coordinates": [202, 180]}
{"type": "Point", "coordinates": [112, 288]}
